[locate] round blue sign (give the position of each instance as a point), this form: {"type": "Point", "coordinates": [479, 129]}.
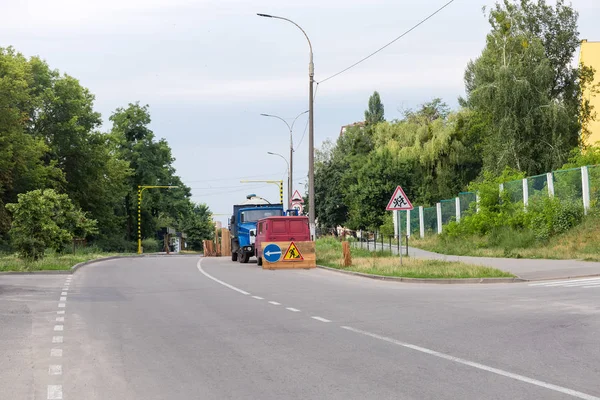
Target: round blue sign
{"type": "Point", "coordinates": [272, 253]}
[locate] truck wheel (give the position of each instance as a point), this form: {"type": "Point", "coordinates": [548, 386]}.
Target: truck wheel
{"type": "Point", "coordinates": [259, 261]}
{"type": "Point", "coordinates": [245, 257]}
{"type": "Point", "coordinates": [234, 256]}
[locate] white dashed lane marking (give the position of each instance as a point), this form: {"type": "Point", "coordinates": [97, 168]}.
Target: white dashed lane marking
{"type": "Point", "coordinates": [55, 370]}
{"type": "Point", "coordinates": [56, 353]}
{"type": "Point", "coordinates": [57, 339]}
{"type": "Point", "coordinates": [58, 328]}
{"type": "Point", "coordinates": [63, 294]}
{"type": "Point", "coordinates": [321, 319]}
{"type": "Point", "coordinates": [64, 298]}
{"type": "Point", "coordinates": [258, 297]}
{"type": "Point", "coordinates": [60, 319]}
{"type": "Point", "coordinates": [60, 312]}
{"type": "Point", "coordinates": [292, 309]}
{"type": "Point", "coordinates": [275, 303]}
{"type": "Point", "coordinates": [61, 305]}
{"type": "Point", "coordinates": [55, 392]}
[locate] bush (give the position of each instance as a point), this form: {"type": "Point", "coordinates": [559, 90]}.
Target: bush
{"type": "Point", "coordinates": [116, 244]}
{"type": "Point", "coordinates": [45, 218]}
{"type": "Point", "coordinates": [150, 245]}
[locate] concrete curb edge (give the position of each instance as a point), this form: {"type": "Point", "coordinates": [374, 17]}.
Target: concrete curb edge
{"type": "Point", "coordinates": [83, 264]}
{"type": "Point", "coordinates": [426, 280]}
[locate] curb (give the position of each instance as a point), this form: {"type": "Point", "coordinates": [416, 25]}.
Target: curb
{"type": "Point", "coordinates": [426, 280]}
{"type": "Point", "coordinates": [83, 264]}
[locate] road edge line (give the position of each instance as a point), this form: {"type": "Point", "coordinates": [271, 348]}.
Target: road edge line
{"type": "Point", "coordinates": [227, 285]}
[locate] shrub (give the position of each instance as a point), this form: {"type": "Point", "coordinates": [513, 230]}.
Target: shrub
{"type": "Point", "coordinates": [150, 245]}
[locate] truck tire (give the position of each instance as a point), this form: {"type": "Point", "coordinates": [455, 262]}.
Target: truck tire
{"type": "Point", "coordinates": [244, 258]}
{"type": "Point", "coordinates": [234, 256]}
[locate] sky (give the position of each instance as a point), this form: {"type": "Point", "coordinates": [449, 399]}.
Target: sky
{"type": "Point", "coordinates": [209, 68]}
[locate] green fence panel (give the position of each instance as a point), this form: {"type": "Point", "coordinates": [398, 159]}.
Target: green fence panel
{"type": "Point", "coordinates": [468, 203]}
{"type": "Point", "coordinates": [430, 220]}
{"type": "Point", "coordinates": [448, 211]}
{"type": "Point", "coordinates": [567, 184]}
{"type": "Point", "coordinates": [414, 222]}
{"type": "Point", "coordinates": [537, 187]}
{"type": "Point", "coordinates": [594, 179]}
{"type": "Point", "coordinates": [514, 190]}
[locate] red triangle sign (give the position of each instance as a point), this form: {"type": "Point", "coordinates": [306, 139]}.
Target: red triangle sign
{"type": "Point", "coordinates": [399, 201]}
{"type": "Point", "coordinates": [297, 197]}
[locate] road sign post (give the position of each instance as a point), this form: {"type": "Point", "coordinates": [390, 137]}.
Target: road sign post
{"type": "Point", "coordinates": [399, 202]}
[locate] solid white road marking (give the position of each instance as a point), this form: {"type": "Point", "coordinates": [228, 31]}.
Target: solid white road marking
{"type": "Point", "coordinates": [483, 367]}
{"type": "Point", "coordinates": [61, 312]}
{"type": "Point", "coordinates": [199, 265]}
{"type": "Point", "coordinates": [292, 309]}
{"type": "Point", "coordinates": [63, 298]}
{"type": "Point", "coordinates": [592, 285]}
{"type": "Point", "coordinates": [58, 327]}
{"type": "Point", "coordinates": [61, 305]}
{"type": "Point", "coordinates": [60, 319]}
{"type": "Point", "coordinates": [56, 352]}
{"type": "Point", "coordinates": [57, 339]}
{"type": "Point", "coordinates": [55, 392]}
{"type": "Point", "coordinates": [55, 370]}
{"type": "Point", "coordinates": [321, 319]}
{"type": "Point", "coordinates": [258, 297]}
{"type": "Point", "coordinates": [570, 282]}
{"type": "Point", "coordinates": [275, 303]}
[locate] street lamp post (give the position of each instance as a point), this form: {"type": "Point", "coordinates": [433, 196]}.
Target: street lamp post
{"type": "Point", "coordinates": [311, 138]}
{"type": "Point", "coordinates": [141, 189]}
{"type": "Point", "coordinates": [289, 186]}
{"type": "Point", "coordinates": [291, 163]}
{"type": "Point", "coordinates": [278, 183]}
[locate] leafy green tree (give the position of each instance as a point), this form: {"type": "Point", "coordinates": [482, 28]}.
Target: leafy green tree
{"type": "Point", "coordinates": [198, 226]}
{"type": "Point", "coordinates": [524, 86]}
{"type": "Point", "coordinates": [375, 113]}
{"type": "Point", "coordinates": [46, 219]}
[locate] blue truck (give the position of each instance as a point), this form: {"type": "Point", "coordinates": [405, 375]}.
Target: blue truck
{"type": "Point", "coordinates": [242, 225]}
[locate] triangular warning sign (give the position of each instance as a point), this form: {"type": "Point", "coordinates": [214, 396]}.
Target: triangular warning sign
{"type": "Point", "coordinates": [297, 197]}
{"type": "Point", "coordinates": [293, 254]}
{"type": "Point", "coordinates": [399, 201]}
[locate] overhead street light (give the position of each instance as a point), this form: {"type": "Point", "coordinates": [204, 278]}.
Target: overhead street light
{"type": "Point", "coordinates": [291, 163]}
{"type": "Point", "coordinates": [311, 138]}
{"type": "Point", "coordinates": [289, 185]}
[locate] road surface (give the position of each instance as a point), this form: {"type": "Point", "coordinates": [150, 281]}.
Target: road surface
{"type": "Point", "coordinates": [176, 328]}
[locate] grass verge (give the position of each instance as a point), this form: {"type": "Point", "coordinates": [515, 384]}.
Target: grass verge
{"type": "Point", "coordinates": [51, 262]}
{"type": "Point", "coordinates": [579, 243]}
{"type": "Point", "coordinates": [329, 254]}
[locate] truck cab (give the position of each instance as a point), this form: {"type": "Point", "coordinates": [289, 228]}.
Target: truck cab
{"type": "Point", "coordinates": [280, 229]}
{"type": "Point", "coordinates": [242, 225]}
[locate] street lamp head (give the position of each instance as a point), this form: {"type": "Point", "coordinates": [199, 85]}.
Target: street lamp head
{"type": "Point", "coordinates": [264, 15]}
{"type": "Point", "coordinates": [264, 115]}
{"type": "Point", "coordinates": [268, 152]}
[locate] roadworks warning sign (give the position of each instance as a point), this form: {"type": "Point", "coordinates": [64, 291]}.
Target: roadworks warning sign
{"type": "Point", "coordinates": [293, 254]}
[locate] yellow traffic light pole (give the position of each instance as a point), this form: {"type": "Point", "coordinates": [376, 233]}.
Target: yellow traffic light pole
{"type": "Point", "coordinates": [141, 189]}
{"type": "Point", "coordinates": [278, 183]}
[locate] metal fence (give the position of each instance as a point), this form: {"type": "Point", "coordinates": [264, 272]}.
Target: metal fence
{"type": "Point", "coordinates": [579, 185]}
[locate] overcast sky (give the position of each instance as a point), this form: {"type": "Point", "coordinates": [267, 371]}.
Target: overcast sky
{"type": "Point", "coordinates": [208, 68]}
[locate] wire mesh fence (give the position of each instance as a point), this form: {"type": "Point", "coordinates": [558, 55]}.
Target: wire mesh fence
{"type": "Point", "coordinates": [537, 187]}
{"type": "Point", "coordinates": [567, 184]}
{"type": "Point", "coordinates": [468, 202]}
{"type": "Point", "coordinates": [594, 179]}
{"type": "Point", "coordinates": [430, 220]}
{"type": "Point", "coordinates": [514, 189]}
{"type": "Point", "coordinates": [448, 211]}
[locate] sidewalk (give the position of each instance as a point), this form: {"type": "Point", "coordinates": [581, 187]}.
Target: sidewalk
{"type": "Point", "coordinates": [528, 269]}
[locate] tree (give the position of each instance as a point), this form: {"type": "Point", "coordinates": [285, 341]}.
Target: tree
{"type": "Point", "coordinates": [198, 226]}
{"type": "Point", "coordinates": [375, 113]}
{"type": "Point", "coordinates": [524, 86]}
{"type": "Point", "coordinates": [46, 219]}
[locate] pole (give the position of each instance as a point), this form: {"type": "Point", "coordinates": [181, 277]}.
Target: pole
{"type": "Point", "coordinates": [291, 170]}
{"type": "Point", "coordinates": [399, 232]}
{"type": "Point", "coordinates": [281, 192]}
{"type": "Point", "coordinates": [139, 250]}
{"type": "Point", "coordinates": [311, 150]}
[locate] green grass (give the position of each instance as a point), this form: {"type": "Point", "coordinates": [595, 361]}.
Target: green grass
{"type": "Point", "coordinates": [52, 261]}
{"type": "Point", "coordinates": [329, 254]}
{"type": "Point", "coordinates": [579, 243]}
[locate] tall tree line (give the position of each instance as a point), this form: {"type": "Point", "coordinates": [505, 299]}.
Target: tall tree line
{"type": "Point", "coordinates": [51, 138]}
{"type": "Point", "coordinates": [524, 110]}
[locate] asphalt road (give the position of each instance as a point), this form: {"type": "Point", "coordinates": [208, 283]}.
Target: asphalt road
{"type": "Point", "coordinates": [173, 328]}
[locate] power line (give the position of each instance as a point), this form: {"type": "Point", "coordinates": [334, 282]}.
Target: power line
{"type": "Point", "coordinates": [390, 43]}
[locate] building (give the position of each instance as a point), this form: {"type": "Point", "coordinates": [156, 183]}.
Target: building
{"type": "Point", "coordinates": [345, 127]}
{"type": "Point", "coordinates": [589, 55]}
